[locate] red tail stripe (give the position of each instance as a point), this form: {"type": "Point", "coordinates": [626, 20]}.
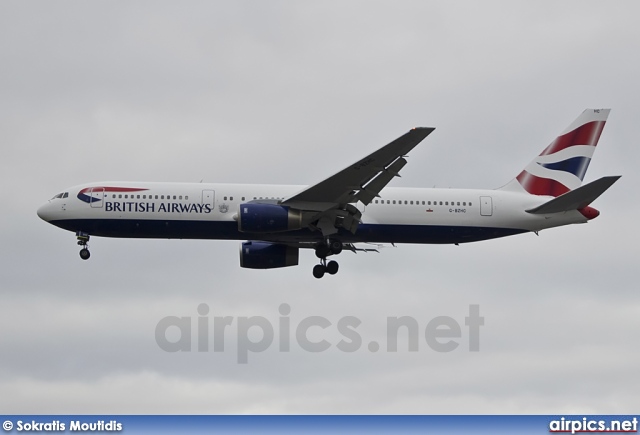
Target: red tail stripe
{"type": "Point", "coordinates": [541, 186]}
{"type": "Point", "coordinates": [587, 134]}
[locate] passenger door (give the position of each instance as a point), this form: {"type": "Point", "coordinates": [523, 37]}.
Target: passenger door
{"type": "Point", "coordinates": [486, 206]}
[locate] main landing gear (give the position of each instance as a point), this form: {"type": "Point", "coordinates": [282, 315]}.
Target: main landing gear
{"type": "Point", "coordinates": [83, 240]}
{"type": "Point", "coordinates": [323, 250]}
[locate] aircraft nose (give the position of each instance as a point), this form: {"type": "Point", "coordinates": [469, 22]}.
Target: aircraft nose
{"type": "Point", "coordinates": [44, 212]}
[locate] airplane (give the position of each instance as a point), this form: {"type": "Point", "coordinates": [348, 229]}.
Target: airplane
{"type": "Point", "coordinates": [350, 208]}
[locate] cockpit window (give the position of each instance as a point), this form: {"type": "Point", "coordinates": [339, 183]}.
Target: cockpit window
{"type": "Point", "coordinates": [61, 195]}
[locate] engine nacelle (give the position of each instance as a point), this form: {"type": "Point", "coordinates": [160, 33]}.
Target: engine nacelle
{"type": "Point", "coordinates": [265, 255]}
{"type": "Point", "coordinates": [267, 218]}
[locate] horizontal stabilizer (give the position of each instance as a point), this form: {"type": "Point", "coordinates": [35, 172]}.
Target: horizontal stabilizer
{"type": "Point", "coordinates": [576, 199]}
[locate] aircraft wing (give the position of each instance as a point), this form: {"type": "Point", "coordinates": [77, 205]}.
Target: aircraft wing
{"type": "Point", "coordinates": [361, 181]}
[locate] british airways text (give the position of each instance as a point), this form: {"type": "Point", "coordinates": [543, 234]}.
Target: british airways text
{"type": "Point", "coordinates": [150, 207]}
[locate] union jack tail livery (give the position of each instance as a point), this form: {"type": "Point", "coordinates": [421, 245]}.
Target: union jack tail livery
{"type": "Point", "coordinates": [562, 165]}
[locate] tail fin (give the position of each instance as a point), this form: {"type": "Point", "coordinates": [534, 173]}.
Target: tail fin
{"type": "Point", "coordinates": [562, 165]}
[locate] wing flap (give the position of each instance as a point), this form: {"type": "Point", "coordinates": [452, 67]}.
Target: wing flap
{"type": "Point", "coordinates": [372, 189]}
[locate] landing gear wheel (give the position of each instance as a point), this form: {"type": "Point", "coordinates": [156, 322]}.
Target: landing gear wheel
{"type": "Point", "coordinates": [83, 240]}
{"type": "Point", "coordinates": [318, 270]}
{"type": "Point", "coordinates": [332, 267]}
{"type": "Point", "coordinates": [335, 247]}
{"type": "Point", "coordinates": [85, 254]}
{"type": "Point", "coordinates": [322, 251]}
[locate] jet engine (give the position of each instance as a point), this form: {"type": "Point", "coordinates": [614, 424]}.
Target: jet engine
{"type": "Point", "coordinates": [267, 218]}
{"type": "Point", "coordinates": [265, 255]}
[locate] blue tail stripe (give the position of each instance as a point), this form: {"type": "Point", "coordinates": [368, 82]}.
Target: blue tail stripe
{"type": "Point", "coordinates": [575, 165]}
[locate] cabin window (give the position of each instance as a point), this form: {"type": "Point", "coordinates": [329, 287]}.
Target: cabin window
{"type": "Point", "coordinates": [231, 198]}
{"type": "Point", "coordinates": [243, 198]}
{"type": "Point", "coordinates": [114, 195]}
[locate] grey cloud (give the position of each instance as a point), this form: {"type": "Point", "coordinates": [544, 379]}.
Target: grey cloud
{"type": "Point", "coordinates": [289, 93]}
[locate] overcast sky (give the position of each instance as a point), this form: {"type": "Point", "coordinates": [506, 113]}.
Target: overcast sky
{"type": "Point", "coordinates": [291, 92]}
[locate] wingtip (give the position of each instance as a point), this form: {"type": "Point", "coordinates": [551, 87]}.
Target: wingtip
{"type": "Point", "coordinates": [423, 131]}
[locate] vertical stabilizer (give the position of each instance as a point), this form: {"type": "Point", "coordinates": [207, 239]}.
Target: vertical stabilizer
{"type": "Point", "coordinates": [562, 165]}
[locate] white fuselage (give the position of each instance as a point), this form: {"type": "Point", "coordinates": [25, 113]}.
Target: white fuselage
{"type": "Point", "coordinates": [209, 211]}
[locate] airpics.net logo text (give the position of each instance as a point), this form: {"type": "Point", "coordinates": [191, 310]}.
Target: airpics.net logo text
{"type": "Point", "coordinates": [254, 334]}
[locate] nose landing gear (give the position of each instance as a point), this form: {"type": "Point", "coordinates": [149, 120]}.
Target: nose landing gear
{"type": "Point", "coordinates": [83, 240]}
{"type": "Point", "coordinates": [323, 250]}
